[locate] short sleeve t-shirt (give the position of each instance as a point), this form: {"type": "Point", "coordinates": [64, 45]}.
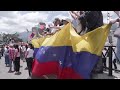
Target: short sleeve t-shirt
{"type": "Point", "coordinates": [30, 53]}
{"type": "Point", "coordinates": [6, 51]}
{"type": "Point", "coordinates": [24, 48]}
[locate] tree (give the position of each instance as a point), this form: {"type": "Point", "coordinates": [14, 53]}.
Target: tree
{"type": "Point", "coordinates": [9, 37]}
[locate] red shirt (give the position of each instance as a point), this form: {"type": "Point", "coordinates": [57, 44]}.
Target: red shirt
{"type": "Point", "coordinates": [11, 53]}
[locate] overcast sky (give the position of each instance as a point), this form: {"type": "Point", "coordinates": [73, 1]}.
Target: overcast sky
{"type": "Point", "coordinates": [18, 21]}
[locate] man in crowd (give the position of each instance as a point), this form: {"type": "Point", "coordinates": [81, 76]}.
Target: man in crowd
{"type": "Point", "coordinates": [56, 27]}
{"type": "Point", "coordinates": [11, 57]}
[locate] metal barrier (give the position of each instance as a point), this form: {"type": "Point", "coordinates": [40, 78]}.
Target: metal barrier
{"type": "Point", "coordinates": [109, 53]}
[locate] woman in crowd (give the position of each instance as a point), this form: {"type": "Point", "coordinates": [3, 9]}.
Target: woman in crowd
{"type": "Point", "coordinates": [24, 50]}
{"type": "Point", "coordinates": [21, 52]}
{"type": "Point", "coordinates": [29, 58]}
{"type": "Point", "coordinates": [116, 57]}
{"type": "Point", "coordinates": [26, 47]}
{"type": "Point", "coordinates": [2, 50]}
{"type": "Point", "coordinates": [6, 55]}
{"type": "Point", "coordinates": [17, 59]}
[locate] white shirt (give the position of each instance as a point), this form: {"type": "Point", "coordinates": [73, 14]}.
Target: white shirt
{"type": "Point", "coordinates": [24, 48]}
{"type": "Point", "coordinates": [30, 53]}
{"type": "Point", "coordinates": [53, 30]}
{"type": "Point", "coordinates": [6, 51]}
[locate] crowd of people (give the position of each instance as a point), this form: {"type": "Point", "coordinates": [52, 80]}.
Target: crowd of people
{"type": "Point", "coordinates": [82, 22]}
{"type": "Point", "coordinates": [17, 52]}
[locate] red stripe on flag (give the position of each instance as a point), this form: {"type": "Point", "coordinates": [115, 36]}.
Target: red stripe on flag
{"type": "Point", "coordinates": [68, 73]}
{"type": "Point", "coordinates": [46, 68]}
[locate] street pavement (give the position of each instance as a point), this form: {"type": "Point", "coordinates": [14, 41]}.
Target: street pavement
{"type": "Point", "coordinates": [4, 71]}
{"type": "Point", "coordinates": [24, 73]}
{"type": "Point", "coordinates": [105, 74]}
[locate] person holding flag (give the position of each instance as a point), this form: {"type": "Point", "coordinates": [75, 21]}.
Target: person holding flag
{"type": "Point", "coordinates": [32, 35]}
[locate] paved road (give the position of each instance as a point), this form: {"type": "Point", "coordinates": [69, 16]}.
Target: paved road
{"type": "Point", "coordinates": [105, 74]}
{"type": "Point", "coordinates": [4, 71]}
{"type": "Point", "coordinates": [24, 73]}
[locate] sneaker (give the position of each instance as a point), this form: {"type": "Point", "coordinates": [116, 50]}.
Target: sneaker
{"type": "Point", "coordinates": [104, 69]}
{"type": "Point", "coordinates": [118, 62]}
{"type": "Point", "coordinates": [116, 71]}
{"type": "Point", "coordinates": [17, 73]}
{"type": "Point", "coordinates": [29, 77]}
{"type": "Point", "coordinates": [26, 68]}
{"type": "Point", "coordinates": [9, 71]}
{"type": "Point", "coordinates": [7, 65]}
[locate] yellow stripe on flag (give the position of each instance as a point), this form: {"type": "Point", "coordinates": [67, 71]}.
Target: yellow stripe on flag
{"type": "Point", "coordinates": [92, 42]}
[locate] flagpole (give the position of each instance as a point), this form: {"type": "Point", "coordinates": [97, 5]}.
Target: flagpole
{"type": "Point", "coordinates": [27, 35]}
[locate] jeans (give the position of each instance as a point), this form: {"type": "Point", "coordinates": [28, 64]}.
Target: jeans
{"type": "Point", "coordinates": [117, 50]}
{"type": "Point", "coordinates": [10, 63]}
{"type": "Point", "coordinates": [6, 59]}
{"type": "Point", "coordinates": [22, 56]}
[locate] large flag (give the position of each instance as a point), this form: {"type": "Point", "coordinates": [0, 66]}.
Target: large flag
{"type": "Point", "coordinates": [37, 43]}
{"type": "Point", "coordinates": [68, 55]}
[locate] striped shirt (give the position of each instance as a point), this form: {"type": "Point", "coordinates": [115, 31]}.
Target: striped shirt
{"type": "Point", "coordinates": [11, 53]}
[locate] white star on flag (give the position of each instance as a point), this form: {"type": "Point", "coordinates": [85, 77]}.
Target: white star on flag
{"type": "Point", "coordinates": [60, 62]}
{"type": "Point", "coordinates": [54, 55]}
{"type": "Point", "coordinates": [42, 50]}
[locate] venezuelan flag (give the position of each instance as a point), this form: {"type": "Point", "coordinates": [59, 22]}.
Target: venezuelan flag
{"type": "Point", "coordinates": [69, 55]}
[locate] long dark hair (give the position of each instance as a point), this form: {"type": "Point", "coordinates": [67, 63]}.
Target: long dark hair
{"type": "Point", "coordinates": [26, 46]}
{"type": "Point", "coordinates": [31, 46]}
{"type": "Point", "coordinates": [17, 47]}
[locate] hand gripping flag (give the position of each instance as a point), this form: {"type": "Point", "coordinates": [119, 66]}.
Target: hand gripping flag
{"type": "Point", "coordinates": [32, 35]}
{"type": "Point", "coordinates": [68, 55]}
